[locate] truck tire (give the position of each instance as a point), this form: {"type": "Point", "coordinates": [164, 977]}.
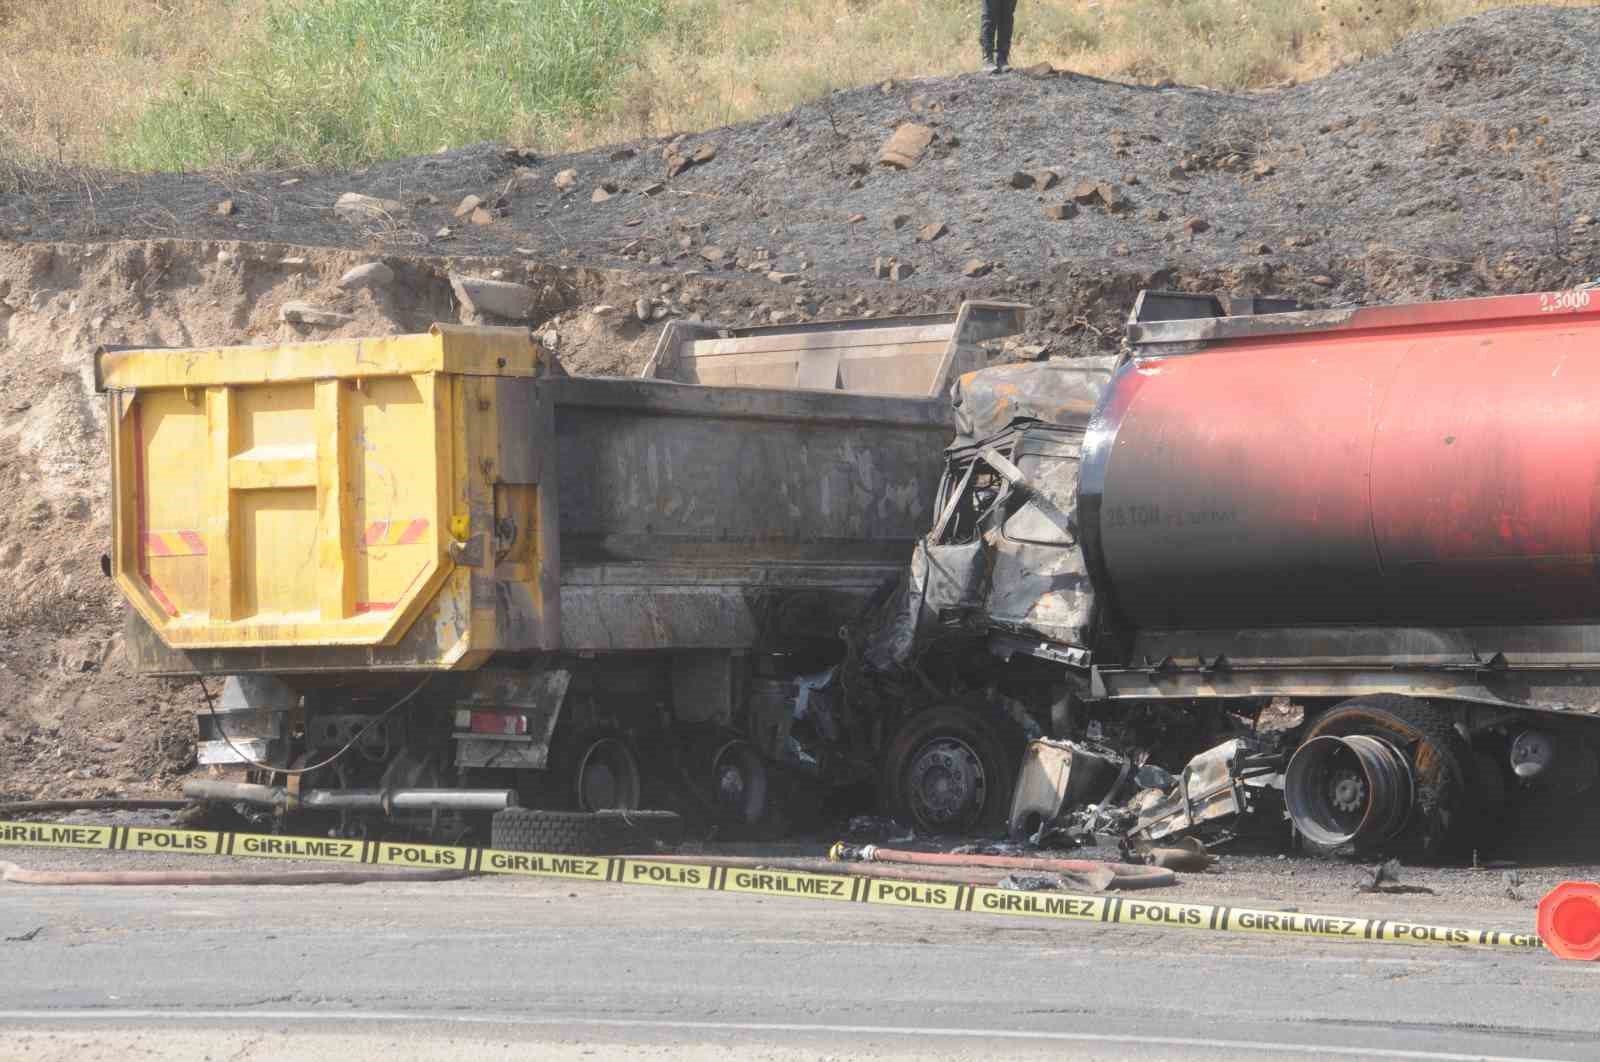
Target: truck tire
{"type": "Point", "coordinates": [584, 832]}
{"type": "Point", "coordinates": [1441, 769]}
{"type": "Point", "coordinates": [946, 772]}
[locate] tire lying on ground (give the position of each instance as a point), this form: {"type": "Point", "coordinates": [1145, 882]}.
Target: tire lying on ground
{"type": "Point", "coordinates": [584, 832]}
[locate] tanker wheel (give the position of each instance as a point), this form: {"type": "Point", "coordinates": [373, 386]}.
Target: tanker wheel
{"type": "Point", "coordinates": [946, 772]}
{"type": "Point", "coordinates": [1383, 773]}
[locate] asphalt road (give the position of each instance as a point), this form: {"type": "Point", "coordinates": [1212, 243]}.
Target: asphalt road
{"type": "Point", "coordinates": [496, 967]}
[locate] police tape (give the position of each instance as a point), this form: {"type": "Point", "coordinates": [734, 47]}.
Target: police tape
{"type": "Point", "coordinates": [842, 888]}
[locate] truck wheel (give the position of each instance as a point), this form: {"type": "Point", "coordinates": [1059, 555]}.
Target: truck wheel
{"type": "Point", "coordinates": [607, 775]}
{"type": "Point", "coordinates": [583, 832]}
{"type": "Point", "coordinates": [1400, 786]}
{"type": "Point", "coordinates": [946, 772]}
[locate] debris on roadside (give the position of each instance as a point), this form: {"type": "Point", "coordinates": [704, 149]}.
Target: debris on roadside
{"type": "Point", "coordinates": [1386, 880]}
{"type": "Point", "coordinates": [1030, 883]}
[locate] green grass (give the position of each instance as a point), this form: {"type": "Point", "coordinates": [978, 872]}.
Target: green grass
{"type": "Point", "coordinates": [344, 82]}
{"type": "Point", "coordinates": [190, 84]}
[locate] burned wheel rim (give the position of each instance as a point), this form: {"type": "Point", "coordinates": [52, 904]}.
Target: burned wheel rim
{"type": "Point", "coordinates": [608, 776]}
{"type": "Point", "coordinates": [740, 781]}
{"type": "Point", "coordinates": [946, 783]}
{"type": "Point", "coordinates": [1354, 789]}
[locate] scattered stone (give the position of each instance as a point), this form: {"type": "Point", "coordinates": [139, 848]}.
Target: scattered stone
{"type": "Point", "coordinates": [1121, 250]}
{"type": "Point", "coordinates": [642, 310]}
{"type": "Point", "coordinates": [1321, 281]}
{"type": "Point", "coordinates": [1039, 70]}
{"type": "Point", "coordinates": [224, 257]}
{"type": "Point", "coordinates": [976, 267]}
{"type": "Point", "coordinates": [497, 298]}
{"type": "Point", "coordinates": [468, 205]}
{"type": "Point", "coordinates": [653, 188]}
{"type": "Point", "coordinates": [899, 221]}
{"type": "Point", "coordinates": [1262, 168]}
{"type": "Point", "coordinates": [623, 154]}
{"type": "Point", "coordinates": [551, 340]}
{"type": "Point", "coordinates": [603, 191]}
{"type": "Point", "coordinates": [1260, 248]}
{"type": "Point", "coordinates": [1044, 180]}
{"type": "Point", "coordinates": [290, 183]}
{"type": "Point", "coordinates": [857, 184]}
{"type": "Point", "coordinates": [677, 161]}
{"type": "Point", "coordinates": [782, 278]}
{"type": "Point", "coordinates": [781, 316]}
{"type": "Point", "coordinates": [565, 180]}
{"type": "Point", "coordinates": [356, 208]}
{"type": "Point", "coordinates": [1156, 214]}
{"type": "Point", "coordinates": [856, 219]}
{"type": "Point", "coordinates": [880, 267]}
{"type": "Point", "coordinates": [294, 265]}
{"type": "Point", "coordinates": [1195, 225]}
{"type": "Point", "coordinates": [1021, 180]}
{"type": "Point", "coordinates": [713, 254]}
{"type": "Point", "coordinates": [1112, 197]}
{"type": "Point", "coordinates": [1060, 211]}
{"type": "Point", "coordinates": [1583, 221]}
{"type": "Point", "coordinates": [226, 208]}
{"type": "Point", "coordinates": [481, 216]}
{"type": "Point", "coordinates": [371, 275]}
{"type": "Point", "coordinates": [307, 314]}
{"type": "Point", "coordinates": [904, 149]}
{"type": "Point", "coordinates": [1086, 193]}
{"type": "Point", "coordinates": [931, 231]}
{"type": "Point", "coordinates": [900, 271]}
{"type": "Point", "coordinates": [443, 234]}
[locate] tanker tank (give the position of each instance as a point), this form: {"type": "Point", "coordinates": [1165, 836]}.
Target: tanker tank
{"type": "Point", "coordinates": [1414, 466]}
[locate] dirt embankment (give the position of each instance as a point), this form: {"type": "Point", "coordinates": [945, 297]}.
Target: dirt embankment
{"type": "Point", "coordinates": [1465, 162]}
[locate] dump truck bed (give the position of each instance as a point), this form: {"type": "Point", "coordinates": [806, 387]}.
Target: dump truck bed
{"type": "Point", "coordinates": [422, 502]}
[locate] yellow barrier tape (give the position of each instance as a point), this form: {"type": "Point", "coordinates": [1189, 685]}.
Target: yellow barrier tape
{"type": "Point", "coordinates": [1106, 910]}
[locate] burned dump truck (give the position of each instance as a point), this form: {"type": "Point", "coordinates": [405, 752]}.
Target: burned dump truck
{"type": "Point", "coordinates": [433, 575]}
{"type": "Point", "coordinates": [1345, 559]}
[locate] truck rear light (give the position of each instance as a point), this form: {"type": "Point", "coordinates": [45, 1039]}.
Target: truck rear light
{"type": "Point", "coordinates": [491, 722]}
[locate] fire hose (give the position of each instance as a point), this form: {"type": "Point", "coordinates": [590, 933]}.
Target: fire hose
{"type": "Point", "coordinates": [1121, 875]}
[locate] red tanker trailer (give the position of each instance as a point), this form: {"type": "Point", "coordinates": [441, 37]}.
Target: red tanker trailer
{"type": "Point", "coordinates": [1383, 521]}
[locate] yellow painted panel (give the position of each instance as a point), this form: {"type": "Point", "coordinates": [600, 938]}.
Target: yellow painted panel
{"type": "Point", "coordinates": [393, 491]}
{"type": "Point", "coordinates": [278, 553]}
{"type": "Point", "coordinates": [446, 348]}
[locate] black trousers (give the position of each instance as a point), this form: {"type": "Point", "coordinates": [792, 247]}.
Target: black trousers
{"type": "Point", "coordinates": [994, 29]}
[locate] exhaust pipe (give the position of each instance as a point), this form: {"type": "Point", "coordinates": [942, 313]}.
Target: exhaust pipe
{"type": "Point", "coordinates": [388, 801]}
{"type": "Point", "coordinates": [1343, 790]}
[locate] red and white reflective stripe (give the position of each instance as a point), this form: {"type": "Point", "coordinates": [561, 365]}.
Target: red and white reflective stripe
{"type": "Point", "coordinates": [174, 544]}
{"type": "Point", "coordinates": [394, 532]}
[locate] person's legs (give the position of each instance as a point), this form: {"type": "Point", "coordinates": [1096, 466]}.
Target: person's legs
{"type": "Point", "coordinates": [986, 29]}
{"type": "Point", "coordinates": [1005, 15]}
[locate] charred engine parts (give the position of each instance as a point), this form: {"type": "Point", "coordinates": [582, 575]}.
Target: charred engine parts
{"type": "Point", "coordinates": [1057, 776]}
{"type": "Point", "coordinates": [1072, 790]}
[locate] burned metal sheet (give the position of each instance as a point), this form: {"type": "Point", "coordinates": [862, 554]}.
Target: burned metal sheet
{"type": "Point", "coordinates": [1056, 776]}
{"type": "Point", "coordinates": [1059, 392]}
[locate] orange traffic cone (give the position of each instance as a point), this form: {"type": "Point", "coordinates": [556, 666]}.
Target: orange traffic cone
{"type": "Point", "coordinates": [1569, 920]}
